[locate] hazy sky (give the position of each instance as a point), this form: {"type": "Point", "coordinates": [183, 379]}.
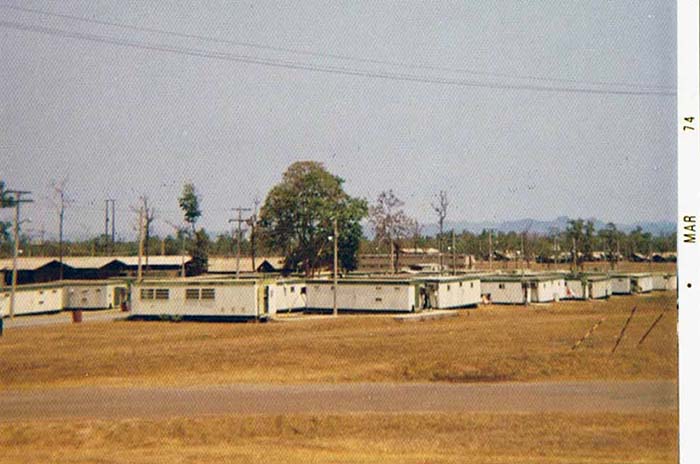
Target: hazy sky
{"type": "Point", "coordinates": [120, 121]}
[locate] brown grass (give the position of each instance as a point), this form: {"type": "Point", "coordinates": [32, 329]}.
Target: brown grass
{"type": "Point", "coordinates": [362, 438]}
{"type": "Point", "coordinates": [493, 343]}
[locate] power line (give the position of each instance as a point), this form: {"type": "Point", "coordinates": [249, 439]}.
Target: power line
{"type": "Point", "coordinates": [326, 55]}
{"type": "Point", "coordinates": [315, 68]}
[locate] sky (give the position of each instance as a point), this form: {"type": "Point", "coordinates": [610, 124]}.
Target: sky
{"type": "Point", "coordinates": [517, 110]}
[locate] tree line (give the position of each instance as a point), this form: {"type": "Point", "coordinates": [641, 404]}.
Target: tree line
{"type": "Point", "coordinates": [297, 219]}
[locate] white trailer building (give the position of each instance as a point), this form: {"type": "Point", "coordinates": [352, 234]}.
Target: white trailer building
{"type": "Point", "coordinates": [450, 292]}
{"type": "Point", "coordinates": [588, 286]}
{"type": "Point", "coordinates": [523, 289]}
{"type": "Point", "coordinates": [287, 295]}
{"type": "Point", "coordinates": [628, 283]}
{"type": "Point", "coordinates": [664, 281]}
{"type": "Point", "coordinates": [94, 294]}
{"type": "Point", "coordinates": [368, 295]}
{"type": "Point", "coordinates": [32, 299]}
{"type": "Point", "coordinates": [201, 299]}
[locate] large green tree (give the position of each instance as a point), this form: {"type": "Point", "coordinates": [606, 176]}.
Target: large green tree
{"type": "Point", "coordinates": [199, 244]}
{"type": "Point", "coordinates": [189, 204]}
{"type": "Point", "coordinates": [297, 216]}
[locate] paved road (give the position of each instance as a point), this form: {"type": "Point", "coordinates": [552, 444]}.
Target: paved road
{"type": "Point", "coordinates": [159, 402]}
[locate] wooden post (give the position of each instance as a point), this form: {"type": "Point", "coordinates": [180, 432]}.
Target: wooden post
{"type": "Point", "coordinates": [588, 334]}
{"type": "Point", "coordinates": [139, 270]}
{"type": "Point", "coordinates": [644, 337]}
{"type": "Point", "coordinates": [335, 266]}
{"type": "Point", "coordinates": [624, 328]}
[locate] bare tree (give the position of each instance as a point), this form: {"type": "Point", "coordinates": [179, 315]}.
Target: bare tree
{"type": "Point", "coordinates": [390, 223]}
{"type": "Point", "coordinates": [416, 229]}
{"type": "Point", "coordinates": [60, 201]}
{"type": "Point", "coordinates": [441, 209]}
{"type": "Point", "coordinates": [149, 215]}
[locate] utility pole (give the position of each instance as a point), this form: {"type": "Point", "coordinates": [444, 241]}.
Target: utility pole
{"type": "Point", "coordinates": [18, 202]}
{"type": "Point", "coordinates": [335, 266]}
{"type": "Point", "coordinates": [108, 239]}
{"type": "Point", "coordinates": [61, 214]}
{"type": "Point", "coordinates": [454, 254]}
{"type": "Point", "coordinates": [139, 272]}
{"type": "Point", "coordinates": [253, 230]}
{"type": "Point", "coordinates": [522, 253]}
{"type": "Point", "coordinates": [490, 249]}
{"type": "Point", "coordinates": [239, 220]}
{"type": "Point", "coordinates": [106, 234]}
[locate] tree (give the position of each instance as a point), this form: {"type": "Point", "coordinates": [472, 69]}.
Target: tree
{"type": "Point", "coordinates": [441, 209]}
{"type": "Point", "coordinates": [199, 251]}
{"type": "Point", "coordinates": [574, 235]}
{"type": "Point", "coordinates": [611, 241]}
{"type": "Point", "coordinates": [297, 218]}
{"type": "Point", "coordinates": [199, 245]}
{"type": "Point", "coordinates": [390, 223]}
{"type": "Point", "coordinates": [6, 201]}
{"type": "Point", "coordinates": [189, 204]}
{"type": "Point", "coordinates": [588, 238]}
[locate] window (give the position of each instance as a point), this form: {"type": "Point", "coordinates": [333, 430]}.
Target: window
{"type": "Point", "coordinates": [303, 290]}
{"type": "Point", "coordinates": [471, 284]}
{"type": "Point", "coordinates": [162, 293]}
{"type": "Point", "coordinates": [208, 293]}
{"type": "Point", "coordinates": [291, 289]}
{"type": "Point", "coordinates": [397, 288]}
{"type": "Point", "coordinates": [378, 288]}
{"type": "Point", "coordinates": [146, 293]}
{"type": "Point", "coordinates": [378, 300]}
{"type": "Point", "coordinates": [502, 286]}
{"type": "Point", "coordinates": [448, 288]}
{"type": "Point", "coordinates": [192, 294]}
{"type": "Point", "coordinates": [460, 284]}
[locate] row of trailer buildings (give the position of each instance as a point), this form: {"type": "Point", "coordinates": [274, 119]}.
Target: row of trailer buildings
{"type": "Point", "coordinates": [254, 298]}
{"type": "Point", "coordinates": [261, 296]}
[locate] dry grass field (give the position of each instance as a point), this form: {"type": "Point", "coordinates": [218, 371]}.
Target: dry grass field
{"type": "Point", "coordinates": [361, 438]}
{"type": "Point", "coordinates": [487, 344]}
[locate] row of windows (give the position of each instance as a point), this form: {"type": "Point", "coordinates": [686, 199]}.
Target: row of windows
{"type": "Point", "coordinates": [200, 294]}
{"type": "Point", "coordinates": [155, 294]}
{"type": "Point", "coordinates": [190, 294]}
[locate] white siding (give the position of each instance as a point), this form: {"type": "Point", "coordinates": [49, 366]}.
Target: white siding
{"type": "Point", "coordinates": [549, 290]}
{"type": "Point", "coordinates": [621, 285]}
{"type": "Point", "coordinates": [658, 281]}
{"type": "Point", "coordinates": [287, 296]}
{"type": "Point", "coordinates": [458, 294]}
{"type": "Point", "coordinates": [600, 288]}
{"type": "Point", "coordinates": [228, 300]}
{"type": "Point", "coordinates": [576, 290]}
{"type": "Point", "coordinates": [32, 301]}
{"type": "Point", "coordinates": [503, 292]}
{"type": "Point", "coordinates": [644, 284]}
{"type": "Point", "coordinates": [362, 296]}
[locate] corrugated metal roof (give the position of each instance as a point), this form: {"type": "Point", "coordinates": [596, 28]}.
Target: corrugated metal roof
{"type": "Point", "coordinates": [26, 263]}
{"type": "Point", "coordinates": [88, 262]}
{"type": "Point", "coordinates": [228, 264]}
{"type": "Point", "coordinates": [153, 260]}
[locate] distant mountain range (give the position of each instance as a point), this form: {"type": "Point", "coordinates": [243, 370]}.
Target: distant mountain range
{"type": "Point", "coordinates": [546, 227]}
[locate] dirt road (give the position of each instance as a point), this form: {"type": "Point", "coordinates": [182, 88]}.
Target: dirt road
{"type": "Point", "coordinates": [158, 402]}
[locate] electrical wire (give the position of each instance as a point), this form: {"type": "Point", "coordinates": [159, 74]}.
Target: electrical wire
{"type": "Point", "coordinates": [327, 55]}
{"type": "Point", "coordinates": [248, 59]}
